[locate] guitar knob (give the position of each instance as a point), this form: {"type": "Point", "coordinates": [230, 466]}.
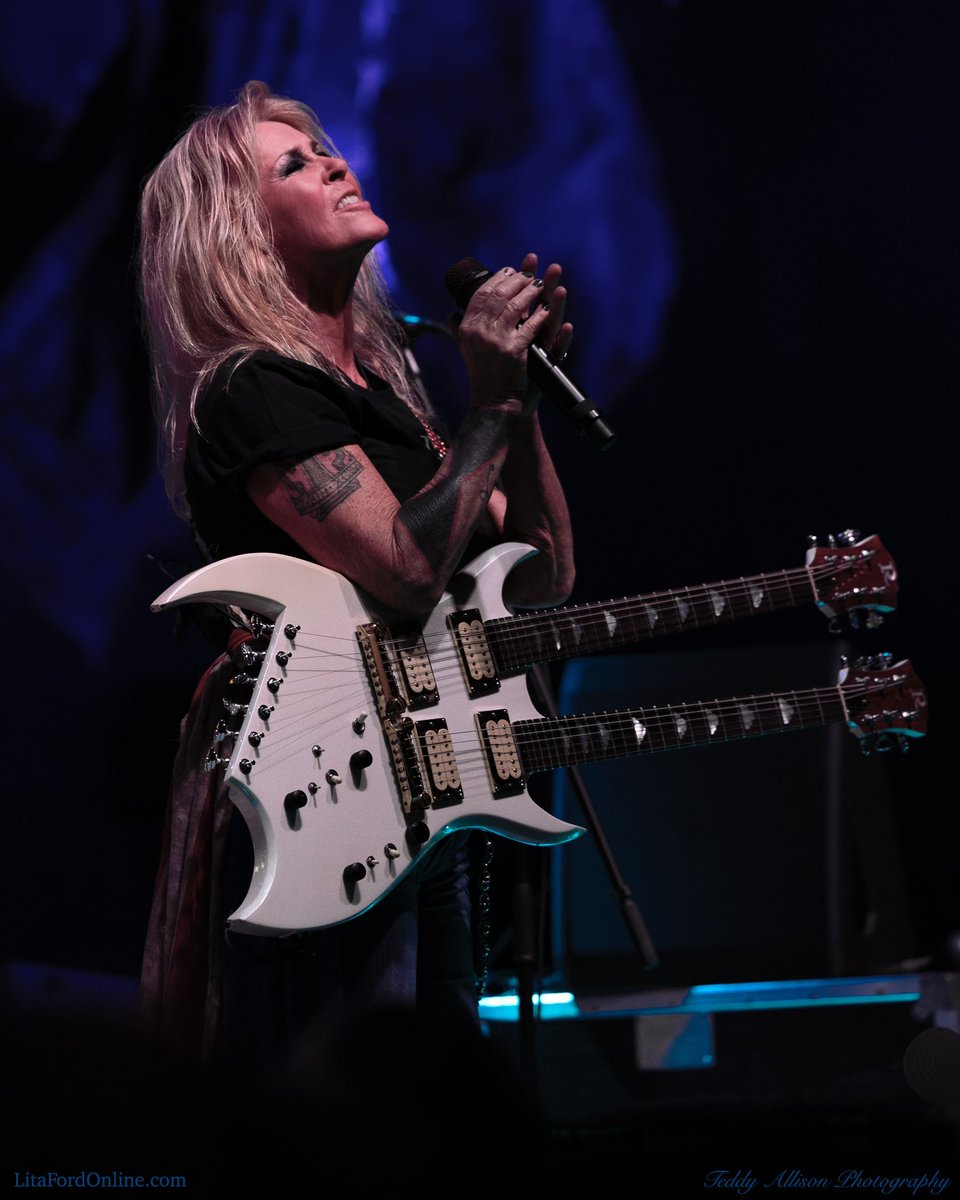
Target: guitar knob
{"type": "Point", "coordinates": [353, 873]}
{"type": "Point", "coordinates": [360, 760]}
{"type": "Point", "coordinates": [418, 833]}
{"type": "Point", "coordinates": [293, 802]}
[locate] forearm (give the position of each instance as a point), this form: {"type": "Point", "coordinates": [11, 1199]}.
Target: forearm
{"type": "Point", "coordinates": [536, 513]}
{"type": "Point", "coordinates": [436, 525]}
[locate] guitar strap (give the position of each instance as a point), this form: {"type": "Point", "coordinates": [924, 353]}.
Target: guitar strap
{"type": "Point", "coordinates": [180, 996]}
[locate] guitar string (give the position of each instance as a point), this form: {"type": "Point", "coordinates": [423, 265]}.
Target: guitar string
{"type": "Point", "coordinates": [594, 616]}
{"type": "Point", "coordinates": [445, 656]}
{"type": "Point", "coordinates": [352, 678]}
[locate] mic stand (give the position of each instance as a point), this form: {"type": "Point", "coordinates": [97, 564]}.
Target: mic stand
{"type": "Point", "coordinates": [525, 909]}
{"type": "Point", "coordinates": [633, 919]}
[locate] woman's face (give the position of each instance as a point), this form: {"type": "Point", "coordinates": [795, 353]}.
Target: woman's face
{"type": "Point", "coordinates": [319, 217]}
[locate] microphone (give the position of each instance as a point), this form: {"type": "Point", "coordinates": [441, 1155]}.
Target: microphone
{"type": "Point", "coordinates": [414, 326]}
{"type": "Point", "coordinates": [462, 280]}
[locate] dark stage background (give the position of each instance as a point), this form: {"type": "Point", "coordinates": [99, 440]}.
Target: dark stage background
{"type": "Point", "coordinates": [755, 204]}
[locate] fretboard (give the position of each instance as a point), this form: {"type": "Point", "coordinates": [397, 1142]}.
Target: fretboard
{"type": "Point", "coordinates": [566, 741]}
{"type": "Point", "coordinates": [519, 642]}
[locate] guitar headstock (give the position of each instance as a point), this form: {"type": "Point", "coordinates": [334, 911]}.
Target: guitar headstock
{"type": "Point", "coordinates": [850, 575]}
{"type": "Point", "coordinates": [886, 703]}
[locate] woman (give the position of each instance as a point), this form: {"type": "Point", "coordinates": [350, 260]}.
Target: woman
{"type": "Point", "coordinates": [289, 424]}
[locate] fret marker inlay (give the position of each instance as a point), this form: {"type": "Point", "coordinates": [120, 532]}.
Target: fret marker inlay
{"type": "Point", "coordinates": [719, 603]}
{"type": "Point", "coordinates": [787, 712]}
{"type": "Point", "coordinates": [652, 615]}
{"type": "Point", "coordinates": [683, 608]}
{"type": "Point", "coordinates": [713, 722]}
{"type": "Point", "coordinates": [681, 726]}
{"type": "Point", "coordinates": [747, 717]}
{"type": "Point", "coordinates": [611, 621]}
{"type": "Point", "coordinates": [757, 596]}
{"type": "Point", "coordinates": [639, 731]}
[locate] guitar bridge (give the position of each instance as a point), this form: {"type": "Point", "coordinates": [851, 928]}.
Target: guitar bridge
{"type": "Point", "coordinates": [500, 751]}
{"type": "Point", "coordinates": [473, 652]}
{"type": "Point", "coordinates": [383, 682]}
{"type": "Point", "coordinates": [424, 763]}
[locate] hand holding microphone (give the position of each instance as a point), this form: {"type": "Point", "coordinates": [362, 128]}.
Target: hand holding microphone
{"type": "Point", "coordinates": [543, 369]}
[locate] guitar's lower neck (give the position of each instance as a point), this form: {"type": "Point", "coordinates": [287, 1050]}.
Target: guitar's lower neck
{"type": "Point", "coordinates": [566, 741]}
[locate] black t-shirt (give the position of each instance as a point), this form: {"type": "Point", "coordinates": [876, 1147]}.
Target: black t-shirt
{"type": "Point", "coordinates": [274, 408]}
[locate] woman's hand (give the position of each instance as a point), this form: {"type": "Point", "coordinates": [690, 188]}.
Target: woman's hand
{"type": "Point", "coordinates": [556, 334]}
{"type": "Point", "coordinates": [505, 316]}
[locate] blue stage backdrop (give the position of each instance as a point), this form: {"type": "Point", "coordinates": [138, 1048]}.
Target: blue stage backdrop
{"type": "Point", "coordinates": [755, 207]}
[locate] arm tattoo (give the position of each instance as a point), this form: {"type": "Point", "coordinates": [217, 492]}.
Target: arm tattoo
{"type": "Point", "coordinates": [431, 517]}
{"type": "Point", "coordinates": [319, 484]}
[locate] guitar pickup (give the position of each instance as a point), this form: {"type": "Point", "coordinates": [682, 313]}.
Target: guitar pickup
{"type": "Point", "coordinates": [473, 652]}
{"type": "Point", "coordinates": [424, 763]}
{"type": "Point", "coordinates": [500, 752]}
{"type": "Point", "coordinates": [416, 670]}
{"type": "Point", "coordinates": [442, 775]}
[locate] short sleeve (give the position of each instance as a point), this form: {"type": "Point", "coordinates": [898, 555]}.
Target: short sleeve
{"type": "Point", "coordinates": [269, 409]}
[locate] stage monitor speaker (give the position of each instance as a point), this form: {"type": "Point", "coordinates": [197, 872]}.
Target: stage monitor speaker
{"type": "Point", "coordinates": [761, 859]}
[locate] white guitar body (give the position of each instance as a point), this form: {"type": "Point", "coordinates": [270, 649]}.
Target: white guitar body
{"type": "Point", "coordinates": [332, 834]}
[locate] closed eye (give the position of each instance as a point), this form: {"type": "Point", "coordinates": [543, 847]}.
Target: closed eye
{"type": "Point", "coordinates": [291, 162]}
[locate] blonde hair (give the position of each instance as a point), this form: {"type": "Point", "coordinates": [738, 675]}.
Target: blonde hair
{"type": "Point", "coordinates": [211, 283]}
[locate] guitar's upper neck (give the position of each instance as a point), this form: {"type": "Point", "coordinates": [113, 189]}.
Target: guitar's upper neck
{"type": "Point", "coordinates": [521, 641]}
{"type": "Point", "coordinates": [566, 741]}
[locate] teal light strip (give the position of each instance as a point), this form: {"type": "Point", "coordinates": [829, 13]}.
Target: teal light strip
{"type": "Point", "coordinates": [550, 1006]}
{"type": "Point", "coordinates": [713, 998]}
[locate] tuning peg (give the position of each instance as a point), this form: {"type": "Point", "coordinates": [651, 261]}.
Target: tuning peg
{"type": "Point", "coordinates": [260, 627]}
{"type": "Point", "coordinates": [222, 733]}
{"type": "Point", "coordinates": [246, 656]}
{"type": "Point", "coordinates": [812, 540]}
{"type": "Point", "coordinates": [213, 760]}
{"type": "Point", "coordinates": [848, 537]}
{"type": "Point", "coordinates": [874, 662]}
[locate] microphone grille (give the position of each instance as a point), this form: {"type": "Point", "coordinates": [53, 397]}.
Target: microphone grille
{"type": "Point", "coordinates": [463, 279]}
